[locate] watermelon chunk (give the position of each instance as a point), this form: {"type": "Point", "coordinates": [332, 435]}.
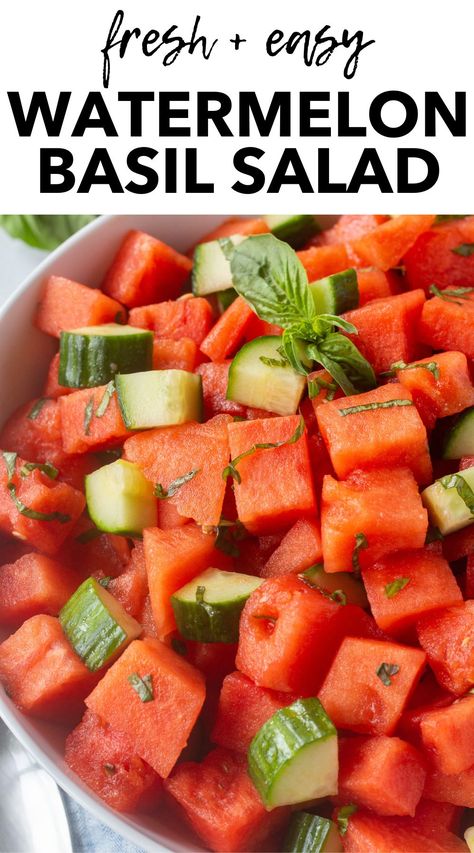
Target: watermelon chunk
{"type": "Point", "coordinates": [221, 803]}
{"type": "Point", "coordinates": [443, 389]}
{"type": "Point", "coordinates": [320, 261]}
{"type": "Point", "coordinates": [386, 437]}
{"type": "Point", "coordinates": [386, 245]}
{"type": "Point", "coordinates": [383, 506]}
{"type": "Point", "coordinates": [146, 270]}
{"type": "Point", "coordinates": [174, 355]}
{"type": "Point", "coordinates": [66, 304]}
{"type": "Point", "coordinates": [448, 325]}
{"type": "Point", "coordinates": [299, 549]}
{"type": "Point", "coordinates": [158, 729]}
{"type": "Point", "coordinates": [377, 697]}
{"type": "Point", "coordinates": [34, 431]}
{"type": "Point", "coordinates": [186, 318]}
{"type": "Point", "coordinates": [34, 584]}
{"type": "Point", "coordinates": [104, 759]}
{"type": "Point", "coordinates": [448, 640]}
{"type": "Point", "coordinates": [431, 259]}
{"type": "Point", "coordinates": [369, 833]}
{"type": "Point", "coordinates": [229, 332]}
{"type": "Point", "coordinates": [82, 432]}
{"type": "Point", "coordinates": [447, 735]}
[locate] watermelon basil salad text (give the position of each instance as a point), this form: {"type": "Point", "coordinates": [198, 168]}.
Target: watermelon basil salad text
{"type": "Point", "coordinates": [238, 533]}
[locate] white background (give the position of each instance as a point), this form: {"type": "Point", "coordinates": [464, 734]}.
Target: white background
{"type": "Point", "coordinates": [55, 46]}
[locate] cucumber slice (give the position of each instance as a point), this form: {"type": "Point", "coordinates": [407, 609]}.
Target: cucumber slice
{"type": "Point", "coordinates": [447, 509]}
{"type": "Point", "coordinates": [274, 388]}
{"type": "Point", "coordinates": [469, 838]}
{"type": "Point", "coordinates": [336, 293]}
{"type": "Point", "coordinates": [120, 499]}
{"type": "Point", "coordinates": [208, 608]}
{"type": "Point", "coordinates": [96, 625]}
{"type": "Point", "coordinates": [293, 757]}
{"type": "Point", "coordinates": [309, 833]}
{"type": "Point", "coordinates": [459, 441]}
{"type": "Point", "coordinates": [159, 398]}
{"type": "Point", "coordinates": [211, 268]}
{"type": "Point", "coordinates": [93, 355]}
{"type": "Point", "coordinates": [295, 230]}
{"type": "Point", "coordinates": [353, 591]}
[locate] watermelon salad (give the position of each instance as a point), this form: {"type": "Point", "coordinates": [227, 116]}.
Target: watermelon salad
{"type": "Point", "coordinates": [237, 534]}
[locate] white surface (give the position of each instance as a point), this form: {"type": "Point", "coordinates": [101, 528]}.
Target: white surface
{"type": "Point", "coordinates": [17, 260]}
{"type": "Point", "coordinates": [84, 257]}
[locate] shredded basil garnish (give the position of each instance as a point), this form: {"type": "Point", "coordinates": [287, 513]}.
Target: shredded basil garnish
{"type": "Point", "coordinates": [343, 816]}
{"type": "Point", "coordinates": [10, 463]}
{"type": "Point", "coordinates": [110, 769]}
{"type": "Point", "coordinates": [227, 534]}
{"type": "Point", "coordinates": [231, 469]}
{"type": "Point", "coordinates": [371, 407]}
{"type": "Point", "coordinates": [163, 494]}
{"type": "Point", "coordinates": [393, 588]}
{"type": "Point", "coordinates": [400, 365]}
{"type": "Point", "coordinates": [36, 408]}
{"type": "Point", "coordinates": [452, 294]}
{"type": "Point", "coordinates": [105, 581]}
{"type": "Point", "coordinates": [360, 545]}
{"type": "Point", "coordinates": [274, 362]}
{"type": "Point", "coordinates": [316, 385]}
{"type": "Point", "coordinates": [45, 467]}
{"type": "Point", "coordinates": [385, 671]}
{"type": "Point", "coordinates": [142, 686]}
{"type": "Point", "coordinates": [464, 249]}
{"type": "Point", "coordinates": [34, 514]}
{"type": "Point", "coordinates": [457, 481]}
{"type": "Point", "coordinates": [88, 415]}
{"type": "Point", "coordinates": [88, 535]}
{"type": "Point", "coordinates": [106, 398]}
{"type": "Point", "coordinates": [339, 596]}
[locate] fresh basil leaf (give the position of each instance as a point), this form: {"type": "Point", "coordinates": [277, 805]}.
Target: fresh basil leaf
{"type": "Point", "coordinates": [457, 481]}
{"type": "Point", "coordinates": [268, 274]}
{"type": "Point", "coordinates": [317, 384]}
{"type": "Point", "coordinates": [464, 249]}
{"type": "Point", "coordinates": [341, 358]}
{"type": "Point", "coordinates": [372, 407]}
{"type": "Point", "coordinates": [385, 671]}
{"type": "Point", "coordinates": [43, 232]}
{"type": "Point", "coordinates": [331, 320]}
{"type": "Point", "coordinates": [294, 349]}
{"type": "Point", "coordinates": [142, 686]}
{"type": "Point", "coordinates": [106, 398]}
{"type": "Point", "coordinates": [45, 467]}
{"type": "Point", "coordinates": [163, 494]}
{"type": "Point", "coordinates": [34, 514]}
{"type": "Point", "coordinates": [343, 816]}
{"type": "Point", "coordinates": [396, 586]}
{"type": "Point", "coordinates": [231, 469]}
{"type": "Point", "coordinates": [36, 408]}
{"type": "Point", "coordinates": [361, 544]}
{"type": "Point", "coordinates": [10, 463]}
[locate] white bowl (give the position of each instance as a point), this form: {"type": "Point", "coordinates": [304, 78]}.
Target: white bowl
{"type": "Point", "coordinates": [24, 358]}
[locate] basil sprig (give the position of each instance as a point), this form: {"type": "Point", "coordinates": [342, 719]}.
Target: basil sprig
{"type": "Point", "coordinates": [268, 274]}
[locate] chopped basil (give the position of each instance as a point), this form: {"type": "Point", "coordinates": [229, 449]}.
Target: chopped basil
{"type": "Point", "coordinates": [37, 407]}
{"type": "Point", "coordinates": [385, 671]}
{"type": "Point", "coordinates": [163, 494]}
{"type": "Point", "coordinates": [449, 217]}
{"type": "Point", "coordinates": [106, 398]}
{"type": "Point", "coordinates": [274, 362]}
{"type": "Point", "coordinates": [343, 816]}
{"type": "Point", "coordinates": [88, 415]}
{"type": "Point", "coordinates": [452, 294]}
{"type": "Point", "coordinates": [371, 407]}
{"type": "Point", "coordinates": [393, 588]}
{"type": "Point", "coordinates": [105, 581]}
{"type": "Point", "coordinates": [34, 514]}
{"type": "Point", "coordinates": [464, 249]}
{"type": "Point", "coordinates": [10, 463]}
{"type": "Point", "coordinates": [360, 545]}
{"type": "Point", "coordinates": [457, 481]}
{"type": "Point", "coordinates": [316, 385]}
{"type": "Point", "coordinates": [142, 686]}
{"type": "Point", "coordinates": [231, 469]}
{"type": "Point", "coordinates": [227, 534]}
{"type": "Point", "coordinates": [110, 769]}
{"type": "Point", "coordinates": [45, 467]}
{"type": "Point", "coordinates": [88, 535]}
{"type": "Point", "coordinates": [400, 365]}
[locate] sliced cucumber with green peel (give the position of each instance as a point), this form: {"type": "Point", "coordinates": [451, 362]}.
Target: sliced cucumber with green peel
{"type": "Point", "coordinates": [260, 377]}
{"type": "Point", "coordinates": [336, 293]}
{"type": "Point", "coordinates": [211, 268]}
{"type": "Point", "coordinates": [93, 355]}
{"type": "Point", "coordinates": [293, 229]}
{"type": "Point", "coordinates": [96, 625]}
{"type": "Point", "coordinates": [208, 608]}
{"type": "Point", "coordinates": [341, 586]}
{"type": "Point", "coordinates": [293, 758]}
{"type": "Point", "coordinates": [158, 398]}
{"type": "Point", "coordinates": [459, 441]}
{"type": "Point", "coordinates": [309, 833]}
{"type": "Point", "coordinates": [120, 499]}
{"type": "Point", "coordinates": [450, 501]}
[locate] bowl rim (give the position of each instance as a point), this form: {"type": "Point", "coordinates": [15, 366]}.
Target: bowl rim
{"type": "Point", "coordinates": [121, 823]}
